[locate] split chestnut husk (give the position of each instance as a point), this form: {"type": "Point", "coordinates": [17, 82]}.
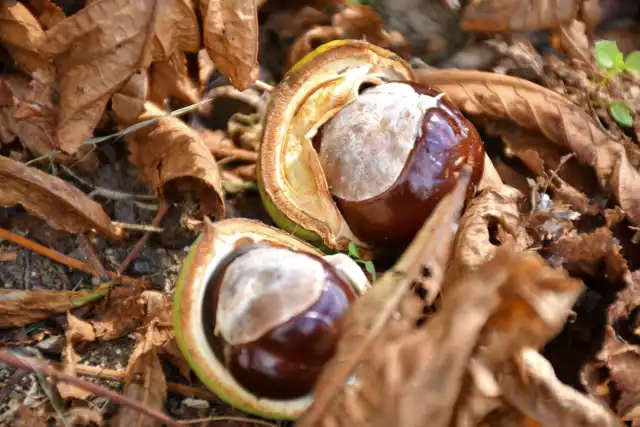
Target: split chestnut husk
{"type": "Point", "coordinates": [257, 314]}
{"type": "Point", "coordinates": [354, 149]}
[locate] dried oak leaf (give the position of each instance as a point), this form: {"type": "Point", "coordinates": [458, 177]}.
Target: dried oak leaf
{"type": "Point", "coordinates": [492, 218]}
{"type": "Point", "coordinates": [518, 15]}
{"type": "Point", "coordinates": [57, 202]}
{"type": "Point", "coordinates": [595, 255]}
{"type": "Point", "coordinates": [144, 382]}
{"type": "Point", "coordinates": [20, 308]}
{"type": "Point", "coordinates": [231, 38]}
{"type": "Point", "coordinates": [173, 157]}
{"type": "Point", "coordinates": [535, 107]}
{"type": "Point", "coordinates": [422, 265]}
{"type": "Point", "coordinates": [531, 386]}
{"type": "Point", "coordinates": [95, 52]}
{"type": "Point", "coordinates": [176, 29]}
{"type": "Point", "coordinates": [21, 35]}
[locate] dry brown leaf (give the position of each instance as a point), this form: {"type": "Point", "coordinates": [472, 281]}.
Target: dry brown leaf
{"type": "Point", "coordinates": [96, 51]}
{"type": "Point", "coordinates": [531, 386]}
{"type": "Point", "coordinates": [206, 68]}
{"type": "Point", "coordinates": [8, 254]}
{"type": "Point", "coordinates": [27, 417]}
{"type": "Point", "coordinates": [77, 331]}
{"type": "Point", "coordinates": [518, 15]}
{"type": "Point", "coordinates": [574, 42]}
{"type": "Point", "coordinates": [128, 103]}
{"type": "Point", "coordinates": [416, 378]}
{"type": "Point", "coordinates": [595, 256]}
{"type": "Point", "coordinates": [49, 14]}
{"type": "Point", "coordinates": [506, 416]}
{"type": "Point", "coordinates": [21, 35]}
{"type": "Point", "coordinates": [57, 202]}
{"type": "Point", "coordinates": [534, 307]}
{"type": "Point", "coordinates": [173, 157]}
{"type": "Point", "coordinates": [170, 78]}
{"type": "Point", "coordinates": [121, 314]}
{"type": "Point", "coordinates": [176, 29]}
{"type": "Point", "coordinates": [493, 215]}
{"type": "Point", "coordinates": [231, 38]}
{"type": "Point", "coordinates": [422, 265]}
{"type": "Point", "coordinates": [82, 416]}
{"type": "Point", "coordinates": [535, 107]}
{"type": "Point", "coordinates": [145, 383]}
{"type": "Point", "coordinates": [20, 308]}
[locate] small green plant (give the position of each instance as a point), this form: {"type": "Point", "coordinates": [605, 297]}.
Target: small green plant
{"type": "Point", "coordinates": [354, 253]}
{"type": "Point", "coordinates": [611, 59]}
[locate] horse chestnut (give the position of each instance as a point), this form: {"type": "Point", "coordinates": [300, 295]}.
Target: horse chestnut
{"type": "Point", "coordinates": [392, 154]}
{"type": "Point", "coordinates": [276, 315]}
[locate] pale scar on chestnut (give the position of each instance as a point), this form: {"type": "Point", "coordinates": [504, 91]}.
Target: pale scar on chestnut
{"type": "Point", "coordinates": [390, 156]}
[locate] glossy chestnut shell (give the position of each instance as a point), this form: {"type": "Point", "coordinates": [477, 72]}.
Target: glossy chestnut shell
{"type": "Point", "coordinates": [283, 362]}
{"type": "Point", "coordinates": [446, 143]}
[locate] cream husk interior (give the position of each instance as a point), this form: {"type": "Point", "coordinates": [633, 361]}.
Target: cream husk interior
{"type": "Point", "coordinates": [265, 288]}
{"type": "Point", "coordinates": [366, 145]}
{"type": "Point", "coordinates": [319, 98]}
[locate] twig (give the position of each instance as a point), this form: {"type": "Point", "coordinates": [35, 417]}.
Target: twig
{"type": "Point", "coordinates": [107, 193]}
{"type": "Point", "coordinates": [132, 128]}
{"type": "Point", "coordinates": [164, 207]}
{"type": "Point", "coordinates": [140, 227]}
{"type": "Point", "coordinates": [118, 375]}
{"type": "Point", "coordinates": [264, 86]}
{"type": "Point", "coordinates": [63, 259]}
{"type": "Point", "coordinates": [92, 258]}
{"type": "Point", "coordinates": [34, 365]}
{"type": "Point", "coordinates": [228, 418]}
{"type": "Point", "coordinates": [239, 154]}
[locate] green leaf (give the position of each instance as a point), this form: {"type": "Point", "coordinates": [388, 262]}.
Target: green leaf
{"type": "Point", "coordinates": [633, 62]}
{"type": "Point", "coordinates": [354, 252]}
{"type": "Point", "coordinates": [368, 265]}
{"type": "Point", "coordinates": [621, 114]}
{"type": "Point", "coordinates": [607, 53]}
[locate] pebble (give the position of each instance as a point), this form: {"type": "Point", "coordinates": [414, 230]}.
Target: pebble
{"type": "Point", "coordinates": [195, 403]}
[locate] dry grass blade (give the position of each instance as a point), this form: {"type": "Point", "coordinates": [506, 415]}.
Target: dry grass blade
{"type": "Point", "coordinates": [532, 387]}
{"type": "Point", "coordinates": [518, 15]}
{"type": "Point", "coordinates": [422, 264]}
{"type": "Point", "coordinates": [96, 51]}
{"type": "Point", "coordinates": [535, 107]}
{"type": "Point", "coordinates": [57, 202]}
{"type": "Point", "coordinates": [174, 158]}
{"type": "Point", "coordinates": [20, 34]}
{"type": "Point", "coordinates": [231, 38]}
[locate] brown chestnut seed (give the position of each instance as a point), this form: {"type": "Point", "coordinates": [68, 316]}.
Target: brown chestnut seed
{"type": "Point", "coordinates": [392, 154]}
{"type": "Point", "coordinates": [277, 314]}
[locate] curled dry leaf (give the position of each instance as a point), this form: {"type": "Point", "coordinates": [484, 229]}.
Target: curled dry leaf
{"type": "Point", "coordinates": [21, 35]}
{"type": "Point", "coordinates": [57, 202]}
{"type": "Point", "coordinates": [418, 378]}
{"type": "Point", "coordinates": [535, 107]}
{"type": "Point", "coordinates": [573, 41]}
{"type": "Point", "coordinates": [493, 215]}
{"type": "Point", "coordinates": [173, 157]}
{"type": "Point", "coordinates": [518, 15]}
{"type": "Point", "coordinates": [531, 386]}
{"type": "Point", "coordinates": [20, 308]}
{"type": "Point", "coordinates": [231, 38]}
{"type": "Point", "coordinates": [48, 13]}
{"type": "Point", "coordinates": [144, 382]}
{"type": "Point", "coordinates": [423, 265]}
{"type": "Point", "coordinates": [176, 29]}
{"type": "Point", "coordinates": [77, 331]}
{"type": "Point", "coordinates": [96, 51]}
{"type": "Point", "coordinates": [120, 316]}
{"type": "Point", "coordinates": [619, 358]}
{"type": "Point", "coordinates": [595, 256]}
{"type": "Point", "coordinates": [169, 78]}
